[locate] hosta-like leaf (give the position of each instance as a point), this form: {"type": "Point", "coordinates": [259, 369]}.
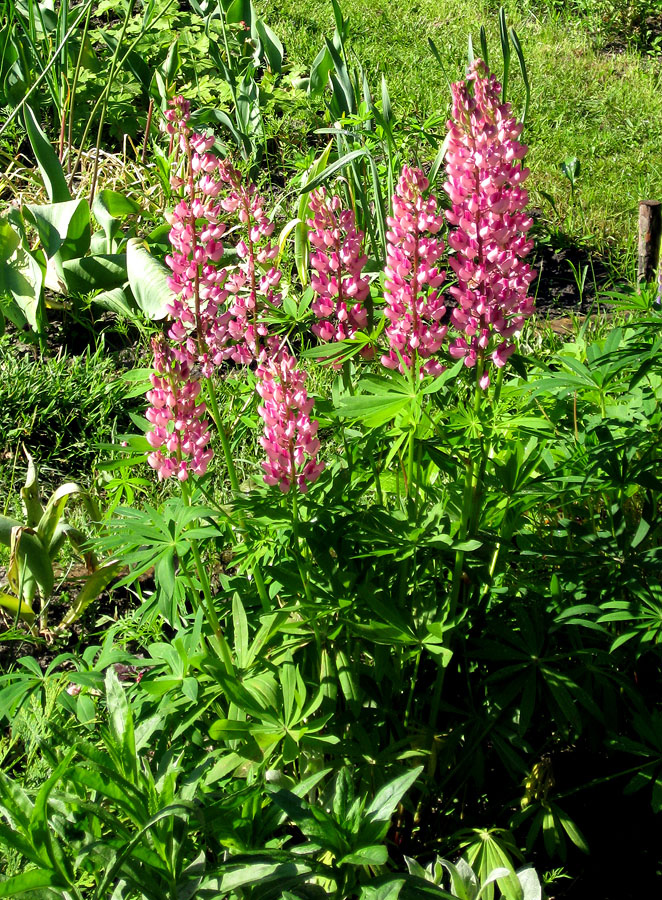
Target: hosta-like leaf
{"type": "Point", "coordinates": [95, 273]}
{"type": "Point", "coordinates": [32, 551]}
{"type": "Point", "coordinates": [49, 165]}
{"type": "Point", "coordinates": [17, 607]}
{"type": "Point", "coordinates": [53, 511]}
{"type": "Point", "coordinates": [63, 228]}
{"type": "Point", "coordinates": [147, 277]}
{"type": "Point", "coordinates": [22, 280]}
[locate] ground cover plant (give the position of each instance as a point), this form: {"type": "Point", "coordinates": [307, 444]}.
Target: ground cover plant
{"type": "Point", "coordinates": [354, 589]}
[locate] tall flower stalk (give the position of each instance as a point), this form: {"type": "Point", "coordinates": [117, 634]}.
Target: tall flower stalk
{"type": "Point", "coordinates": [290, 436]}
{"type": "Point", "coordinates": [488, 223]}
{"type": "Point", "coordinates": [488, 235]}
{"type": "Point", "coordinates": [338, 261]}
{"type": "Point", "coordinates": [415, 305]}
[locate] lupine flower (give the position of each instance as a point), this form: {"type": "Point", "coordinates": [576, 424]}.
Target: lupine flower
{"type": "Point", "coordinates": [489, 224]}
{"type": "Point", "coordinates": [414, 301]}
{"type": "Point", "coordinates": [290, 437]}
{"type": "Point", "coordinates": [338, 262]}
{"type": "Point", "coordinates": [179, 433]}
{"type": "Point", "coordinates": [253, 284]}
{"type": "Point", "coordinates": [216, 312]}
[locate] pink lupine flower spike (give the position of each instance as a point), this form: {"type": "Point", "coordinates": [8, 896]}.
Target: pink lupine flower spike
{"type": "Point", "coordinates": [414, 301]}
{"type": "Point", "coordinates": [489, 225]}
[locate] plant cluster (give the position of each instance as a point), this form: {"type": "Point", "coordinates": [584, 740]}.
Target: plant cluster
{"type": "Point", "coordinates": [397, 604]}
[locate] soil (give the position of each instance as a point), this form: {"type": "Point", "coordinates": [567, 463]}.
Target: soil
{"type": "Point", "coordinates": [112, 604]}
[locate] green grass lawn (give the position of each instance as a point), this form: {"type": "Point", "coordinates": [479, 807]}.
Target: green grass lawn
{"type": "Point", "coordinates": [603, 107]}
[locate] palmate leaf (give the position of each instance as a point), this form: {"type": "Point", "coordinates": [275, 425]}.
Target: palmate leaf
{"type": "Point", "coordinates": [314, 823]}
{"type": "Point", "coordinates": [379, 812]}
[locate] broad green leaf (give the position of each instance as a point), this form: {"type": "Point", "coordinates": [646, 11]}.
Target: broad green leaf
{"type": "Point", "coordinates": [49, 165]}
{"type": "Point", "coordinates": [387, 891]}
{"type": "Point", "coordinates": [95, 583]}
{"type": "Point", "coordinates": [63, 228]}
{"type": "Point", "coordinates": [373, 411]}
{"type": "Point", "coordinates": [32, 551]}
{"type": "Point", "coordinates": [109, 207]}
{"type": "Point", "coordinates": [117, 301]}
{"type": "Point", "coordinates": [121, 724]}
{"type": "Point", "coordinates": [375, 855]}
{"type": "Point", "coordinates": [346, 677]}
{"type": "Point", "coordinates": [379, 813]}
{"type": "Point", "coordinates": [271, 45]}
{"type": "Point", "coordinates": [147, 277]}
{"type": "Point", "coordinates": [11, 837]}
{"type": "Point", "coordinates": [319, 72]}
{"type": "Point", "coordinates": [240, 632]}
{"type": "Point", "coordinates": [42, 834]}
{"type": "Point", "coordinates": [571, 829]}
{"type": "Point", "coordinates": [240, 11]}
{"type": "Point", "coordinates": [531, 887]}
{"type": "Point", "coordinates": [229, 730]}
{"type": "Point", "coordinates": [258, 874]}
{"type": "Point", "coordinates": [102, 272]}
{"type": "Point", "coordinates": [23, 609]}
{"type": "Point", "coordinates": [508, 883]}
{"type": "Point", "coordinates": [317, 825]}
{"type": "Point", "coordinates": [22, 279]}
{"type": "Point", "coordinates": [463, 879]}
{"type": "Point", "coordinates": [30, 494]}
{"type": "Point", "coordinates": [53, 512]}
{"type": "Point", "coordinates": [31, 881]}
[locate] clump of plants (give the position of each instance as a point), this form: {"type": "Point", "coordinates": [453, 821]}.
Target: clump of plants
{"type": "Point", "coordinates": [374, 657]}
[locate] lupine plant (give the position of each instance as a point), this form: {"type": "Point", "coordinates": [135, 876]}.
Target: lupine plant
{"type": "Point", "coordinates": [396, 620]}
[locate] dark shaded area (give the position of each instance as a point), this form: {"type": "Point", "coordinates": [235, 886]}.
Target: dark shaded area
{"type": "Point", "coordinates": [569, 274]}
{"type": "Point", "coordinates": [114, 603]}
{"type": "Point", "coordinates": [623, 833]}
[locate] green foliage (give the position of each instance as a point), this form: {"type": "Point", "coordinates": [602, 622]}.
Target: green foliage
{"type": "Point", "coordinates": [60, 408]}
{"type": "Point", "coordinates": [315, 691]}
{"type": "Point", "coordinates": [34, 546]}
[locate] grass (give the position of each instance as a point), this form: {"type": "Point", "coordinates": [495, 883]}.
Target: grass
{"type": "Point", "coordinates": [603, 107]}
{"type": "Point", "coordinates": [59, 408]}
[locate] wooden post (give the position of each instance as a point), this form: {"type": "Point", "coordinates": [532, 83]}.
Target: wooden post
{"type": "Point", "coordinates": [650, 232]}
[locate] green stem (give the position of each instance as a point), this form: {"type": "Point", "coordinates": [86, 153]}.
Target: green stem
{"type": "Point", "coordinates": [104, 105]}
{"type": "Point", "coordinates": [458, 571]}
{"type": "Point", "coordinates": [46, 70]}
{"type": "Point", "coordinates": [234, 484]}
{"type": "Point", "coordinates": [412, 686]}
{"type": "Point", "coordinates": [74, 85]}
{"type": "Point", "coordinates": [505, 534]}
{"type": "Point", "coordinates": [105, 92]}
{"type": "Point", "coordinates": [410, 465]}
{"type": "Point", "coordinates": [300, 563]}
{"type": "Point", "coordinates": [221, 645]}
